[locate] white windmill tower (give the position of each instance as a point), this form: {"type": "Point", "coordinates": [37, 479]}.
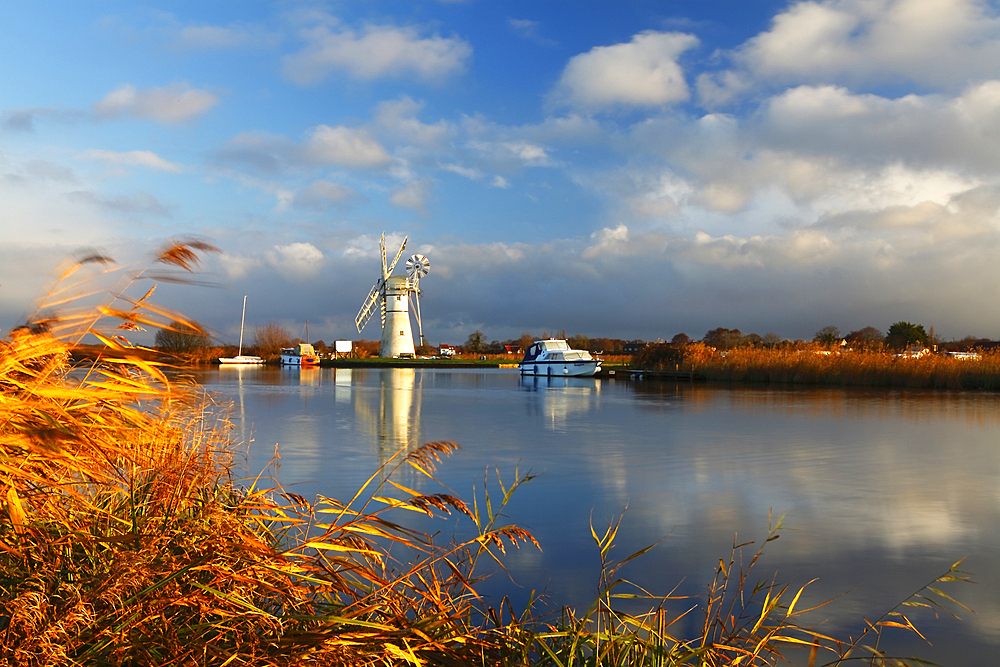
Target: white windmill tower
{"type": "Point", "coordinates": [392, 295]}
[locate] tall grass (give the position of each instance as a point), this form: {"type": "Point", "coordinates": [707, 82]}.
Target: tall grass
{"type": "Point", "coordinates": [848, 368]}
{"type": "Point", "coordinates": [124, 541]}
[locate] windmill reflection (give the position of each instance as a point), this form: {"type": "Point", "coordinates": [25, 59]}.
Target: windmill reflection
{"type": "Point", "coordinates": [392, 415]}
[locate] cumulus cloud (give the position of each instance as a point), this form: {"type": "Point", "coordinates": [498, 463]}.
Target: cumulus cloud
{"type": "Point", "coordinates": [398, 118]}
{"type": "Point", "coordinates": [640, 73]}
{"type": "Point", "coordinates": [608, 243]}
{"type": "Point", "coordinates": [925, 130]}
{"type": "Point", "coordinates": [945, 43]}
{"type": "Point", "coordinates": [147, 159]}
{"type": "Point", "coordinates": [297, 262]}
{"type": "Point", "coordinates": [377, 52]}
{"type": "Point", "coordinates": [176, 103]}
{"type": "Point", "coordinates": [345, 147]}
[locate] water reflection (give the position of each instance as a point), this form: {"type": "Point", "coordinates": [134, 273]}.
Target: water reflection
{"type": "Point", "coordinates": [391, 415]}
{"type": "Point", "coordinates": [560, 397]}
{"type": "Point", "coordinates": [881, 489]}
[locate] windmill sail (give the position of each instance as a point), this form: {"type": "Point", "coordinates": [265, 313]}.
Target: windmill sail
{"type": "Point", "coordinates": [391, 295]}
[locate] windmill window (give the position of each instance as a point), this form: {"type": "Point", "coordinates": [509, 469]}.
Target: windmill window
{"type": "Point", "coordinates": [400, 333]}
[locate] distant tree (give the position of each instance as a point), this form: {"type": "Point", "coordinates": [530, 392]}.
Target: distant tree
{"type": "Point", "coordinates": [868, 338]}
{"type": "Point", "coordinates": [659, 357]}
{"type": "Point", "coordinates": [828, 335]}
{"type": "Point", "coordinates": [525, 340]}
{"type": "Point", "coordinates": [723, 339]}
{"type": "Point", "coordinates": [476, 342]}
{"type": "Point", "coordinates": [366, 348]}
{"type": "Point", "coordinates": [182, 338]}
{"type": "Point", "coordinates": [680, 339]}
{"type": "Point", "coordinates": [771, 340]}
{"type": "Point", "coordinates": [751, 340]}
{"type": "Point", "coordinates": [494, 347]}
{"type": "Point", "coordinates": [270, 338]}
{"type": "Point", "coordinates": [320, 346]}
{"type": "Point", "coordinates": [902, 334]}
{"type": "Point", "coordinates": [579, 342]}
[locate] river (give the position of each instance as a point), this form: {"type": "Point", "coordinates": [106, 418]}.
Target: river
{"type": "Point", "coordinates": [880, 490]}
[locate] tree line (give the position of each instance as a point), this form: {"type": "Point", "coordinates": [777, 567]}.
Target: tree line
{"type": "Point", "coordinates": [187, 339]}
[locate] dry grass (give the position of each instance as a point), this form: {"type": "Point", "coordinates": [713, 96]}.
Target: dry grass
{"type": "Point", "coordinates": [124, 542]}
{"type": "Point", "coordinates": [849, 368]}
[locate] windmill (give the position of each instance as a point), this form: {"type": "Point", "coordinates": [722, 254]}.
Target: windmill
{"type": "Point", "coordinates": [391, 294]}
{"type": "Point", "coordinates": [417, 267]}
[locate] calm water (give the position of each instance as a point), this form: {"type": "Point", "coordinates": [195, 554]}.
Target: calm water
{"type": "Point", "coordinates": [881, 491]}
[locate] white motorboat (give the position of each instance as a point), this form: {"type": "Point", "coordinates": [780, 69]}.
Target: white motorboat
{"type": "Point", "coordinates": [301, 354]}
{"type": "Point", "coordinates": [241, 358]}
{"type": "Point", "coordinates": [555, 357]}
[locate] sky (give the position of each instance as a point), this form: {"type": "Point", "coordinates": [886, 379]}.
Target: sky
{"type": "Point", "coordinates": [608, 169]}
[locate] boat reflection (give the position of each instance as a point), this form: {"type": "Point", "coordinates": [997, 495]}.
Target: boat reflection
{"type": "Point", "coordinates": [561, 397]}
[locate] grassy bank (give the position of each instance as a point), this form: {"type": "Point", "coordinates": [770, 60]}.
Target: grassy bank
{"type": "Point", "coordinates": [125, 540]}
{"type": "Point", "coordinates": [823, 367]}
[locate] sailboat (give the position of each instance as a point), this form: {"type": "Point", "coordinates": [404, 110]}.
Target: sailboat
{"type": "Point", "coordinates": [240, 358]}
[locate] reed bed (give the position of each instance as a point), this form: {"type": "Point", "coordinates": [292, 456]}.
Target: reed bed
{"type": "Point", "coordinates": [124, 539]}
{"type": "Point", "coordinates": [847, 368]}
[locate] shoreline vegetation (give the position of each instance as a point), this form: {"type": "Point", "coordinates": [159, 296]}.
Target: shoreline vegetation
{"type": "Point", "coordinates": [816, 365]}
{"type": "Point", "coordinates": [125, 539]}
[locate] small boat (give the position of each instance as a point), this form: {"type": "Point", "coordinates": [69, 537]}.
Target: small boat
{"type": "Point", "coordinates": [554, 357]}
{"type": "Point", "coordinates": [241, 358]}
{"type": "Point", "coordinates": [301, 354]}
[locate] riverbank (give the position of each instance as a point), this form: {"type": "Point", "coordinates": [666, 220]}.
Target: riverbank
{"type": "Point", "coordinates": [847, 368]}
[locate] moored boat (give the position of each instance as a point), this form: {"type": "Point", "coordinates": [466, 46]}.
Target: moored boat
{"type": "Point", "coordinates": [555, 357]}
{"type": "Point", "coordinates": [241, 358]}
{"type": "Point", "coordinates": [301, 354]}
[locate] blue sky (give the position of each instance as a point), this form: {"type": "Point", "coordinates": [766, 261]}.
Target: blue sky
{"type": "Point", "coordinates": [623, 169]}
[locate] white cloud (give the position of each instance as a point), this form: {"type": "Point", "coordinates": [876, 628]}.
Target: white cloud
{"type": "Point", "coordinates": [379, 51]}
{"type": "Point", "coordinates": [346, 147]}
{"type": "Point", "coordinates": [470, 173]}
{"type": "Point", "coordinates": [176, 103]}
{"type": "Point", "coordinates": [530, 30]}
{"type": "Point", "coordinates": [609, 242]}
{"type": "Point", "coordinates": [413, 195]}
{"type": "Point", "coordinates": [398, 118]}
{"type": "Point", "coordinates": [640, 73]}
{"type": "Point", "coordinates": [928, 130]}
{"type": "Point", "coordinates": [528, 153]}
{"type": "Point", "coordinates": [236, 266]}
{"type": "Point", "coordinates": [499, 182]}
{"type": "Point", "coordinates": [142, 158]}
{"type": "Point", "coordinates": [297, 262]}
{"type": "Point", "coordinates": [942, 43]}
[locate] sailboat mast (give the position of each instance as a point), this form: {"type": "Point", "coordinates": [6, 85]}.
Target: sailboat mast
{"type": "Point", "coordinates": [242, 318]}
